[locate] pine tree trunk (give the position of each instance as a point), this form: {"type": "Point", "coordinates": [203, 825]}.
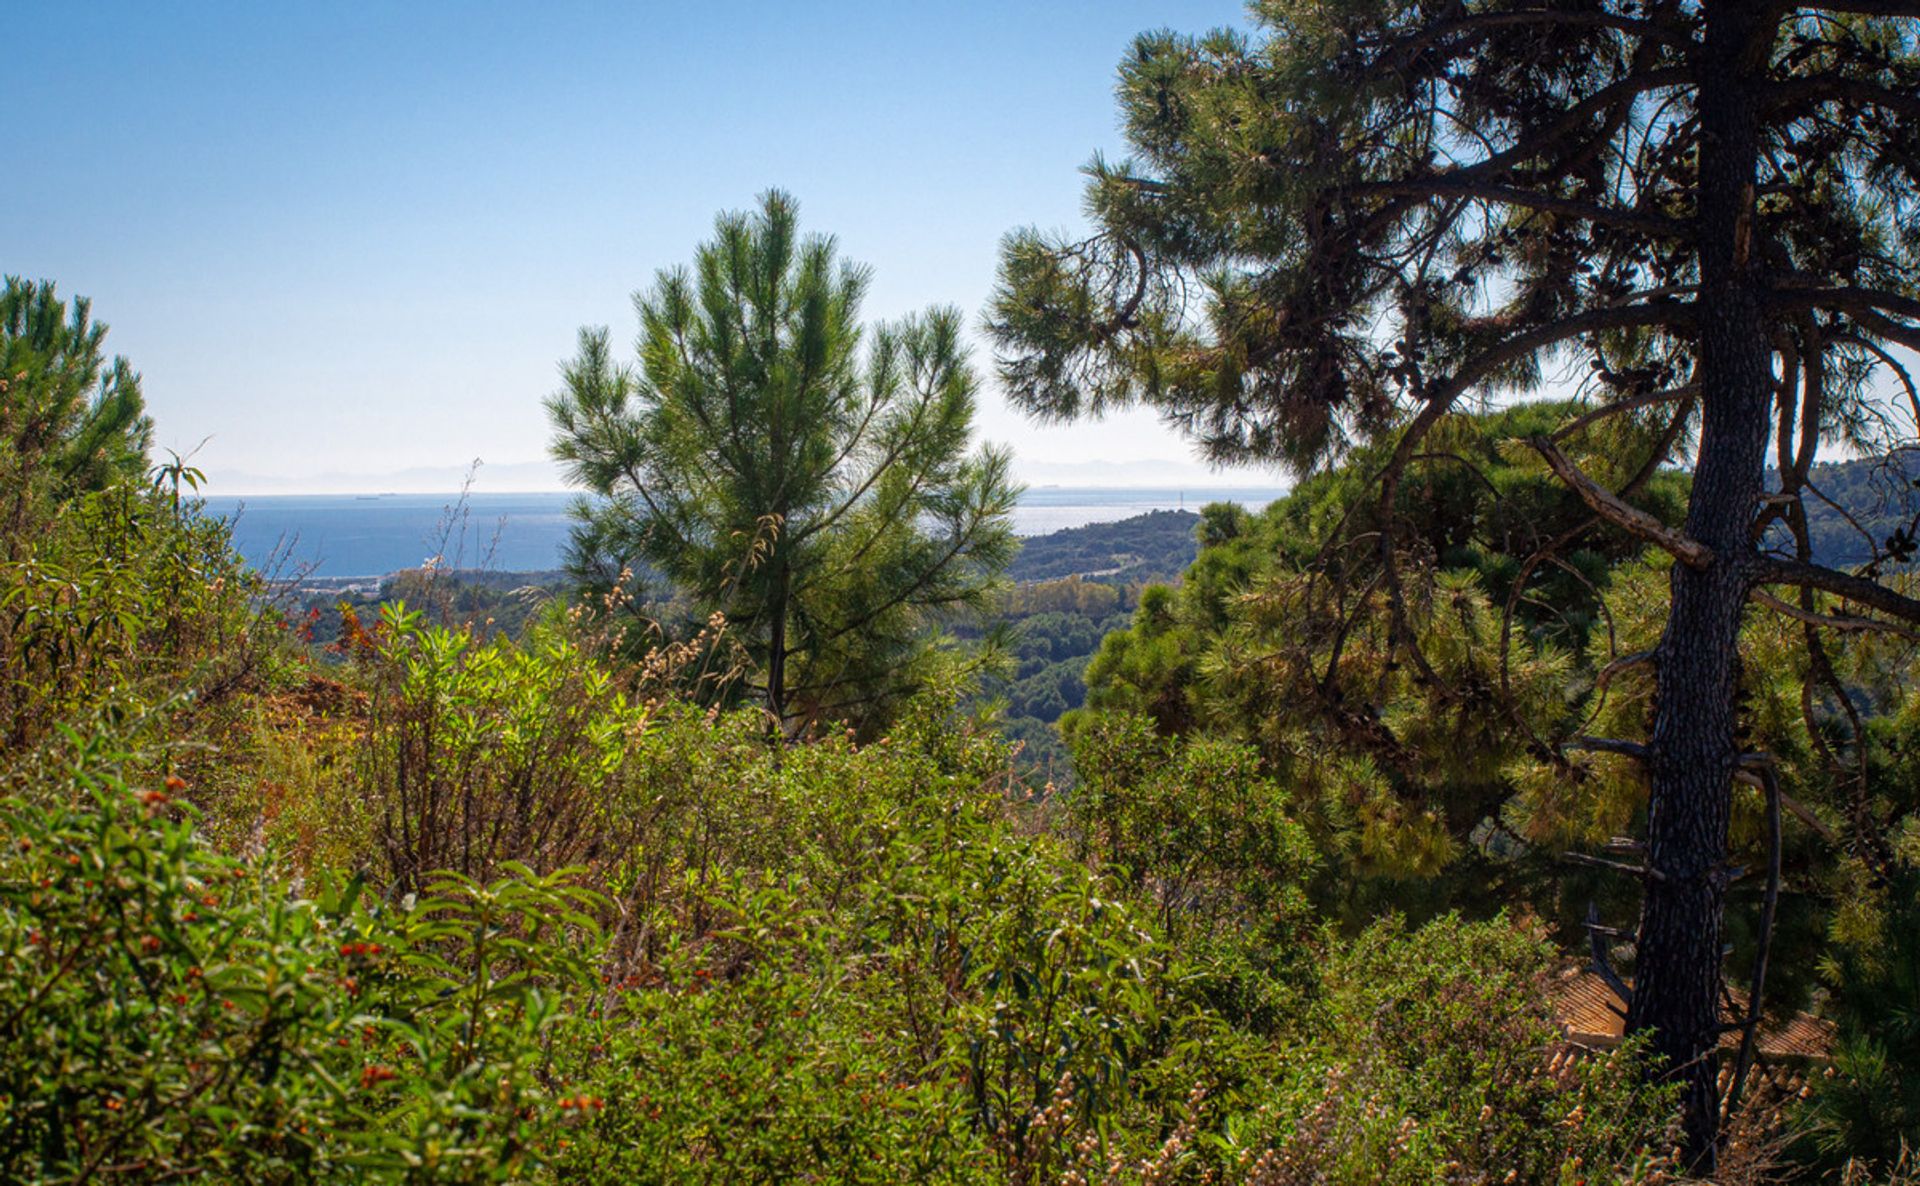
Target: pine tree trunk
{"type": "Point", "coordinates": [777, 654]}
{"type": "Point", "coordinates": [1695, 751]}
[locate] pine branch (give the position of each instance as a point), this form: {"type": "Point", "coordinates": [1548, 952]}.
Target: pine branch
{"type": "Point", "coordinates": [1827, 87]}
{"type": "Point", "coordinates": [1580, 858]}
{"type": "Point", "coordinates": [1771, 570]}
{"type": "Point", "coordinates": [1875, 309]}
{"type": "Point", "coordinates": [1446, 185]}
{"type": "Point", "coordinates": [1625, 405]}
{"type": "Point", "coordinates": [1609, 745]}
{"type": "Point", "coordinates": [1439, 398]}
{"type": "Point", "coordinates": [1628, 518]}
{"type": "Point", "coordinates": [1844, 623]}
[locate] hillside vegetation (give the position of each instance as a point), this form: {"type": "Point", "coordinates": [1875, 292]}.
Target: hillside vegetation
{"type": "Point", "coordinates": [443, 907]}
{"type": "Point", "coordinates": [437, 907]}
{"type": "Point", "coordinates": [1490, 810]}
{"type": "Point", "coordinates": [457, 910]}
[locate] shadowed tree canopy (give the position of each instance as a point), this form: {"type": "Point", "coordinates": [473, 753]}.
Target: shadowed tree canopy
{"type": "Point", "coordinates": [812, 481]}
{"type": "Point", "coordinates": [73, 420]}
{"type": "Point", "coordinates": [1697, 215]}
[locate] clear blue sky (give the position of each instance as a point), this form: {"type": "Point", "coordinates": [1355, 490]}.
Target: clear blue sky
{"type": "Point", "coordinates": [357, 237]}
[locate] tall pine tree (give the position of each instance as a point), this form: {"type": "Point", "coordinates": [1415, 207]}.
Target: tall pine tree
{"type": "Point", "coordinates": [1343, 228]}
{"type": "Point", "coordinates": [812, 480]}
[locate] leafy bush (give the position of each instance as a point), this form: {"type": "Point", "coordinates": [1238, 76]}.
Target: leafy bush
{"type": "Point", "coordinates": [123, 599]}
{"type": "Point", "coordinates": [1437, 1069]}
{"type": "Point", "coordinates": [173, 1013]}
{"type": "Point", "coordinates": [477, 754]}
{"type": "Point", "coordinates": [525, 911]}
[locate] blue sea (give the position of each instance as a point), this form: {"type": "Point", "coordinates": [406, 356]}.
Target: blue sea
{"type": "Point", "coordinates": [370, 535]}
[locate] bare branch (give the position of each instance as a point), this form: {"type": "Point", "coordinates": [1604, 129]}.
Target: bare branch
{"type": "Point", "coordinates": [1630, 519]}
{"type": "Point", "coordinates": [1844, 623]}
{"type": "Point", "coordinates": [1899, 370]}
{"type": "Point", "coordinates": [1580, 858]}
{"type": "Point", "coordinates": [1618, 406]}
{"type": "Point", "coordinates": [1799, 810]}
{"type": "Point", "coordinates": [1875, 309]}
{"type": "Point", "coordinates": [1610, 745]}
{"type": "Point", "coordinates": [1770, 570]}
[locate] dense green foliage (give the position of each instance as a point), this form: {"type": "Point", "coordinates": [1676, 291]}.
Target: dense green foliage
{"type": "Point", "coordinates": [808, 479]}
{"type": "Point", "coordinates": [74, 421]}
{"type": "Point", "coordinates": [178, 1014]}
{"type": "Point", "coordinates": [1339, 229]}
{"type": "Point", "coordinates": [1227, 649]}
{"type": "Point", "coordinates": [444, 906]}
{"type": "Point", "coordinates": [840, 963]}
{"type": "Point", "coordinates": [1426, 807]}
{"type": "Point", "coordinates": [1155, 546]}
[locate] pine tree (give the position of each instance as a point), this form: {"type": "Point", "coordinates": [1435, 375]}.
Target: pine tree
{"type": "Point", "coordinates": [775, 462]}
{"type": "Point", "coordinates": [1338, 232]}
{"type": "Point", "coordinates": [70, 421]}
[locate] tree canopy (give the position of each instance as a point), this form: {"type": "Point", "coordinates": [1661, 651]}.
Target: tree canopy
{"type": "Point", "coordinates": [812, 480]}
{"type": "Point", "coordinates": [69, 418]}
{"type": "Point", "coordinates": [1697, 216]}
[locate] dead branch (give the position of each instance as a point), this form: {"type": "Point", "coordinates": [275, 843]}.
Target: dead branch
{"type": "Point", "coordinates": [1844, 623]}
{"type": "Point", "coordinates": [1628, 518]}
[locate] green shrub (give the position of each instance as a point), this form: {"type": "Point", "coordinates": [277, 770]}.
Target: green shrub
{"type": "Point", "coordinates": [482, 753]}
{"type": "Point", "coordinates": [118, 601]}
{"type": "Point", "coordinates": [171, 1013]}
{"type": "Point", "coordinates": [1428, 1061]}
{"type": "Point", "coordinates": [771, 1051]}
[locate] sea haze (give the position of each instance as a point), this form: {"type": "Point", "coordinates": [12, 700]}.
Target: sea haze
{"type": "Point", "coordinates": [368, 535]}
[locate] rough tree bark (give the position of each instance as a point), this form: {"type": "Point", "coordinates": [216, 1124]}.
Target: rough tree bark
{"type": "Point", "coordinates": [1694, 751]}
